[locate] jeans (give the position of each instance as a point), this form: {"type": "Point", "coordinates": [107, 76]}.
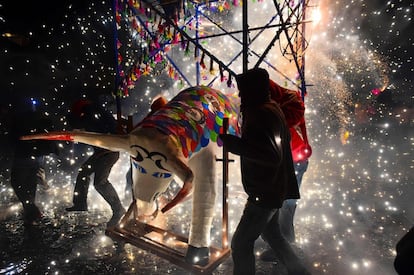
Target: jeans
{"type": "Point", "coordinates": [287, 212]}
{"type": "Point", "coordinates": [100, 164]}
{"type": "Point", "coordinates": [257, 221]}
{"type": "Point", "coordinates": [24, 180]}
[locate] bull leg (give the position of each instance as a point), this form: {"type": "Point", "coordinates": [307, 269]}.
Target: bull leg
{"type": "Point", "coordinates": [204, 198]}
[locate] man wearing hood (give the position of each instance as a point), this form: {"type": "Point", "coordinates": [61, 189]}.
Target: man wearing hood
{"type": "Point", "coordinates": [268, 176]}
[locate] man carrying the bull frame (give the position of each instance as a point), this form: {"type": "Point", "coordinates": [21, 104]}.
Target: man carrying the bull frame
{"type": "Point", "coordinates": [268, 175]}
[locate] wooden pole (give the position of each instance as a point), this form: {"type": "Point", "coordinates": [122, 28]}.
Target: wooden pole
{"type": "Point", "coordinates": [225, 236]}
{"type": "Point", "coordinates": [245, 36]}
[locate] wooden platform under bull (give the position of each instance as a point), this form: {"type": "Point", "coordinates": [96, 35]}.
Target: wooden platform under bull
{"type": "Point", "coordinates": [165, 244]}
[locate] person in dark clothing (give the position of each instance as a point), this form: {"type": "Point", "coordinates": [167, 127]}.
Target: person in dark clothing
{"type": "Point", "coordinates": [90, 117]}
{"type": "Point", "coordinates": [268, 175]}
{"type": "Point", "coordinates": [403, 262]}
{"type": "Point", "coordinates": [293, 108]}
{"type": "Point", "coordinates": [27, 170]}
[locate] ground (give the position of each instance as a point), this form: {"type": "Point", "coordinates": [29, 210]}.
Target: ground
{"type": "Point", "coordinates": [355, 206]}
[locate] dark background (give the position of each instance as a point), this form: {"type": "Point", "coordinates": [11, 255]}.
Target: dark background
{"type": "Point", "coordinates": [54, 34]}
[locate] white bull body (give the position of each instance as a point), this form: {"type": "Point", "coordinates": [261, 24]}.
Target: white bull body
{"type": "Point", "coordinates": [179, 139]}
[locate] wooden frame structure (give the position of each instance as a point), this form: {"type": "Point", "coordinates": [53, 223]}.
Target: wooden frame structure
{"type": "Point", "coordinates": [150, 20]}
{"type": "Point", "coordinates": [160, 241]}
{"type": "Point", "coordinates": [144, 235]}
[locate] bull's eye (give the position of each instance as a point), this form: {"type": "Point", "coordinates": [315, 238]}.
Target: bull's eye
{"type": "Point", "coordinates": [161, 175]}
{"type": "Point", "coordinates": [138, 167]}
{"type": "Point", "coordinates": [141, 169]}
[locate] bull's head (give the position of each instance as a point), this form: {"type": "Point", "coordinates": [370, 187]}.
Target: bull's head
{"type": "Point", "coordinates": [149, 167]}
{"type": "Point", "coordinates": [155, 160]}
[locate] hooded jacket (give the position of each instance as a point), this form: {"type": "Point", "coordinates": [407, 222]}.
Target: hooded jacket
{"type": "Point", "coordinates": [293, 109]}
{"type": "Point", "coordinates": [268, 176]}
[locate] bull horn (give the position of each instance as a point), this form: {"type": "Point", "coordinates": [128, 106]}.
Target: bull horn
{"type": "Point", "coordinates": [107, 141]}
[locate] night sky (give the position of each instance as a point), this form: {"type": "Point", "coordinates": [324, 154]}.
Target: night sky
{"type": "Point", "coordinates": [52, 56]}
{"type": "Point", "coordinates": [65, 51]}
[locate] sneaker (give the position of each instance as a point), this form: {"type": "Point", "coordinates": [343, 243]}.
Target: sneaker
{"type": "Point", "coordinates": [298, 269]}
{"type": "Point", "coordinates": [77, 208]}
{"type": "Point", "coordinates": [31, 218]}
{"type": "Point", "coordinates": [268, 256]}
{"type": "Point", "coordinates": [116, 217]}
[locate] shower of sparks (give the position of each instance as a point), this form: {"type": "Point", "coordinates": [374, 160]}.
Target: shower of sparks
{"type": "Point", "coordinates": [355, 197]}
